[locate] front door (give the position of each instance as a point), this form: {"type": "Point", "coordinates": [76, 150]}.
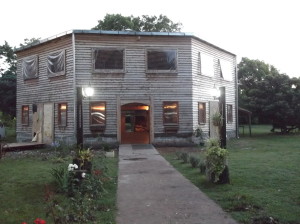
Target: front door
{"type": "Point", "coordinates": [135, 128]}
{"type": "Point", "coordinates": [48, 123]}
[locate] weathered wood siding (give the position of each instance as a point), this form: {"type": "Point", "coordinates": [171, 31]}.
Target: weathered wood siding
{"type": "Point", "coordinates": [135, 84]}
{"type": "Point", "coordinates": [46, 90]}
{"type": "Point", "coordinates": [203, 84]}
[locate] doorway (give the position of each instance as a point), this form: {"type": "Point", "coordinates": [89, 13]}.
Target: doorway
{"type": "Point", "coordinates": [135, 125]}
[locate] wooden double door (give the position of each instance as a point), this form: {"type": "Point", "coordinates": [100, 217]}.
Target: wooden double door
{"type": "Point", "coordinates": [135, 128]}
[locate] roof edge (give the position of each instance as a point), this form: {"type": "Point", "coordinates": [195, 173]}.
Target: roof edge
{"type": "Point", "coordinates": [124, 32]}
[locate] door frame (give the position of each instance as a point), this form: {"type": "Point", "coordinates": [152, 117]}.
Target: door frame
{"type": "Point", "coordinates": [147, 102]}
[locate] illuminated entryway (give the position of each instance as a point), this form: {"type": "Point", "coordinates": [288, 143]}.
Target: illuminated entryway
{"type": "Point", "coordinates": [135, 125]}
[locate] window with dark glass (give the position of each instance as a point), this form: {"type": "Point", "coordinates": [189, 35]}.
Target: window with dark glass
{"type": "Point", "coordinates": [229, 113]}
{"type": "Point", "coordinates": [97, 114]}
{"type": "Point", "coordinates": [170, 113]}
{"type": "Point", "coordinates": [202, 112]}
{"type": "Point", "coordinates": [25, 115]}
{"type": "Point", "coordinates": [108, 59]}
{"type": "Point", "coordinates": [62, 114]}
{"type": "Point", "coordinates": [161, 60]}
{"type": "Point", "coordinates": [56, 63]}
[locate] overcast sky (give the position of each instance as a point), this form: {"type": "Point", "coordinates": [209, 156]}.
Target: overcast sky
{"type": "Point", "coordinates": [268, 30]}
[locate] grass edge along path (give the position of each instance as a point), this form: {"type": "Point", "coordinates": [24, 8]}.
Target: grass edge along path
{"type": "Point", "coordinates": [265, 180]}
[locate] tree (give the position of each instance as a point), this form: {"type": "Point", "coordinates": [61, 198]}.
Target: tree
{"type": "Point", "coordinates": [8, 79]}
{"type": "Point", "coordinates": [145, 23]}
{"type": "Point", "coordinates": [8, 74]}
{"type": "Point", "coordinates": [268, 94]}
{"type": "Point", "coordinates": [30, 41]}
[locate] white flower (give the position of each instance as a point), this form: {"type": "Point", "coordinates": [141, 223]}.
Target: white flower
{"type": "Point", "coordinates": [70, 167]}
{"type": "Point", "coordinates": [83, 175]}
{"type": "Point", "coordinates": [75, 166]}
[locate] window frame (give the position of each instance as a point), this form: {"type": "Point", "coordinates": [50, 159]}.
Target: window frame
{"type": "Point", "coordinates": [108, 70]}
{"type": "Point", "coordinates": [97, 127]}
{"type": "Point", "coordinates": [59, 110]}
{"type": "Point", "coordinates": [153, 71]}
{"type": "Point", "coordinates": [36, 58]}
{"type": "Point", "coordinates": [200, 121]}
{"type": "Point", "coordinates": [229, 113]}
{"type": "Point", "coordinates": [60, 73]}
{"type": "Point", "coordinates": [177, 112]}
{"type": "Point", "coordinates": [25, 116]}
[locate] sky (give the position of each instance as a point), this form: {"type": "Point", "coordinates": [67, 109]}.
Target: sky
{"type": "Point", "coordinates": [267, 30]}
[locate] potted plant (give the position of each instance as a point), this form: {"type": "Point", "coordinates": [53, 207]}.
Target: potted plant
{"type": "Point", "coordinates": [109, 152]}
{"type": "Point", "coordinates": [83, 160]}
{"type": "Point", "coordinates": [217, 119]}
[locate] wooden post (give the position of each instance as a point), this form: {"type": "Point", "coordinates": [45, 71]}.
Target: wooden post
{"type": "Point", "coordinates": [79, 118]}
{"type": "Point", "coordinates": [222, 108]}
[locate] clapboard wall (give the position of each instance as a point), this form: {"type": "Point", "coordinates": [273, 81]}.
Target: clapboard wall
{"type": "Point", "coordinates": [135, 85]}
{"type": "Point", "coordinates": [46, 90]}
{"type": "Point", "coordinates": [203, 84]}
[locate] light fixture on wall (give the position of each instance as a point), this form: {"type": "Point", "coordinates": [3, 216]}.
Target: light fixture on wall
{"type": "Point", "coordinates": [87, 91]}
{"type": "Point", "coordinates": [215, 93]}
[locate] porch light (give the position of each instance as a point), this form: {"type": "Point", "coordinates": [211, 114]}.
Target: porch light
{"type": "Point", "coordinates": [88, 91]}
{"type": "Point", "coordinates": [215, 93]}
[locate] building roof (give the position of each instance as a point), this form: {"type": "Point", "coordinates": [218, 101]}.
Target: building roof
{"type": "Point", "coordinates": [124, 32]}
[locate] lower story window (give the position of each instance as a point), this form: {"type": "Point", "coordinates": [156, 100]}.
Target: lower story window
{"type": "Point", "coordinates": [62, 114]}
{"type": "Point", "coordinates": [229, 113]}
{"type": "Point", "coordinates": [170, 116]}
{"type": "Point", "coordinates": [202, 112]}
{"type": "Point", "coordinates": [97, 116]}
{"type": "Point", "coordinates": [25, 115]}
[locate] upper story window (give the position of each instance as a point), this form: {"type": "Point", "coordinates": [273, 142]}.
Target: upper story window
{"type": "Point", "coordinates": [226, 70]}
{"type": "Point", "coordinates": [97, 116]}
{"type": "Point", "coordinates": [229, 113]}
{"type": "Point", "coordinates": [62, 114]}
{"type": "Point", "coordinates": [206, 65]}
{"type": "Point", "coordinates": [25, 115]}
{"type": "Point", "coordinates": [56, 63]}
{"type": "Point", "coordinates": [30, 67]}
{"type": "Point", "coordinates": [108, 60]}
{"type": "Point", "coordinates": [202, 112]}
{"type": "Point", "coordinates": [161, 61]}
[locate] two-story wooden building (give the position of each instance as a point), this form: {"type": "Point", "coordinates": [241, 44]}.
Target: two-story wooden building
{"type": "Point", "coordinates": [149, 87]}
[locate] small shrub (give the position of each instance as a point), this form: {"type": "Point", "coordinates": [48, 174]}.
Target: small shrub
{"type": "Point", "coordinates": [185, 157]}
{"type": "Point", "coordinates": [216, 159]}
{"type": "Point", "coordinates": [202, 167]}
{"type": "Point", "coordinates": [178, 155]}
{"type": "Point", "coordinates": [194, 161]}
{"type": "Point", "coordinates": [212, 142]}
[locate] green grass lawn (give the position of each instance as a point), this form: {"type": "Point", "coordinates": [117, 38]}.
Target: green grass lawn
{"type": "Point", "coordinates": [22, 189]}
{"type": "Point", "coordinates": [264, 174]}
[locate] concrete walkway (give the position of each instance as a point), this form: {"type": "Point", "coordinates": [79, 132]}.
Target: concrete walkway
{"type": "Point", "coordinates": [151, 191]}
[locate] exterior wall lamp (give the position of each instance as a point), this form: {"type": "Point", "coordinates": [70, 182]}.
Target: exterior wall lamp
{"type": "Point", "coordinates": [87, 91]}
{"type": "Point", "coordinates": [215, 93]}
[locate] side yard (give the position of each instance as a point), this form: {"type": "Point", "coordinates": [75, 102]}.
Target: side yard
{"type": "Point", "coordinates": [26, 179]}
{"type": "Point", "coordinates": [264, 174]}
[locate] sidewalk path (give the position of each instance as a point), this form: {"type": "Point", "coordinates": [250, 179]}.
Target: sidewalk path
{"type": "Point", "coordinates": [151, 191]}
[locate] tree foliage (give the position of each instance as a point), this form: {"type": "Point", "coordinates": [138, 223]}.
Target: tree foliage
{"type": "Point", "coordinates": [144, 23]}
{"type": "Point", "coordinates": [268, 94]}
{"type": "Point", "coordinates": [8, 70]}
